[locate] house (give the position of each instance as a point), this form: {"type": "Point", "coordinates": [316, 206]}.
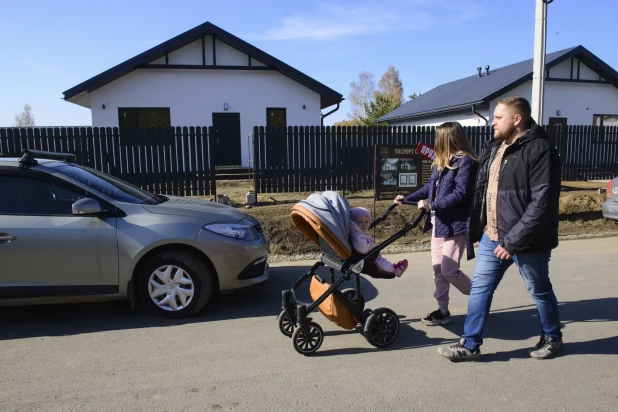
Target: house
{"type": "Point", "coordinates": [580, 89]}
{"type": "Point", "coordinates": [389, 164]}
{"type": "Point", "coordinates": [205, 77]}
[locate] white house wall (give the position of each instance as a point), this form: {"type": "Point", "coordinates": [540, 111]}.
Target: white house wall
{"type": "Point", "coordinates": [189, 54]}
{"type": "Point", "coordinates": [193, 95]}
{"type": "Point", "coordinates": [192, 54]}
{"type": "Point", "coordinates": [465, 119]}
{"type": "Point", "coordinates": [229, 56]}
{"type": "Point", "coordinates": [578, 102]}
{"type": "Point", "coordinates": [563, 71]}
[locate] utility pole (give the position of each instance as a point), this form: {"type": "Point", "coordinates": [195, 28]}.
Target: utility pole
{"type": "Point", "coordinates": [538, 65]}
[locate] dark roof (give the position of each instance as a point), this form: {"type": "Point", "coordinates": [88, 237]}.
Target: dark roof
{"type": "Point", "coordinates": [461, 94]}
{"type": "Point", "coordinates": [328, 95]}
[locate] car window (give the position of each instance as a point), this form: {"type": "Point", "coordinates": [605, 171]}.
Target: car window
{"type": "Point", "coordinates": [115, 188]}
{"type": "Point", "coordinates": [27, 196]}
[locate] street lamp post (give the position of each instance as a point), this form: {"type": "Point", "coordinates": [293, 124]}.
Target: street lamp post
{"type": "Point", "coordinates": [538, 76]}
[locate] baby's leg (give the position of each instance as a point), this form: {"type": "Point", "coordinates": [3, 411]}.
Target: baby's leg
{"type": "Point", "coordinates": [384, 265]}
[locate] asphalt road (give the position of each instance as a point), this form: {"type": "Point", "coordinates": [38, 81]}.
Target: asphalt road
{"type": "Point", "coordinates": [107, 357]}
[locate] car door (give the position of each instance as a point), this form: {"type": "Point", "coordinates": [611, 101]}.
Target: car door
{"type": "Point", "coordinates": [44, 249]}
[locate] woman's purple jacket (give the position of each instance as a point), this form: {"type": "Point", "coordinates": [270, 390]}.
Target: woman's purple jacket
{"type": "Point", "coordinates": [453, 200]}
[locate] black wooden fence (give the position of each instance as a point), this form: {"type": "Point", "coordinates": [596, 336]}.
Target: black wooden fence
{"type": "Point", "coordinates": [179, 160]}
{"type": "Point", "coordinates": [174, 161]}
{"type": "Point", "coordinates": [306, 159]}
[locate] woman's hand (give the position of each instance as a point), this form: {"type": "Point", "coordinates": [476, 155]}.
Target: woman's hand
{"type": "Point", "coordinates": [424, 204]}
{"type": "Point", "coordinates": [398, 199]}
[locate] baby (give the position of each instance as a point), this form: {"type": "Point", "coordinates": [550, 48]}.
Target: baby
{"type": "Point", "coordinates": [360, 219]}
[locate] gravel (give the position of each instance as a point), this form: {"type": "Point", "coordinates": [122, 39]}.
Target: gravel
{"type": "Point", "coordinates": [420, 247]}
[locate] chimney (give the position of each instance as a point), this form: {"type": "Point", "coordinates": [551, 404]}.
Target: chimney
{"type": "Point", "coordinates": [479, 70]}
{"type": "Point", "coordinates": [487, 70]}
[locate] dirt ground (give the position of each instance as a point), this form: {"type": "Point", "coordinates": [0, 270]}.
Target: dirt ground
{"type": "Point", "coordinates": [580, 216]}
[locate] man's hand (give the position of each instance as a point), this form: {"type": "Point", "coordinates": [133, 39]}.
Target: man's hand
{"type": "Point", "coordinates": [501, 253]}
{"type": "Point", "coordinates": [398, 199]}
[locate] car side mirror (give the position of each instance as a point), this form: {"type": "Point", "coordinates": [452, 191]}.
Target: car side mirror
{"type": "Point", "coordinates": [87, 207]}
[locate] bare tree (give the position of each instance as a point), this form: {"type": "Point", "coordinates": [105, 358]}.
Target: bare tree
{"type": "Point", "coordinates": [361, 92]}
{"type": "Point", "coordinates": [391, 87]}
{"type": "Point", "coordinates": [25, 118]}
{"type": "Point", "coordinates": [347, 123]}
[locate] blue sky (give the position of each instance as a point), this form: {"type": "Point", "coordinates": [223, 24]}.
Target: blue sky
{"type": "Point", "coordinates": [47, 47]}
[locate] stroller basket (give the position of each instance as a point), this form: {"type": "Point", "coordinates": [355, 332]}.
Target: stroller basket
{"type": "Point", "coordinates": [325, 220]}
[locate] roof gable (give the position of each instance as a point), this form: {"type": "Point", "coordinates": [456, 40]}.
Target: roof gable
{"type": "Point", "coordinates": [328, 96]}
{"type": "Point", "coordinates": [475, 90]}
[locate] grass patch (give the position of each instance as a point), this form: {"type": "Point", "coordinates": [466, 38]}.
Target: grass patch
{"type": "Point", "coordinates": [580, 215]}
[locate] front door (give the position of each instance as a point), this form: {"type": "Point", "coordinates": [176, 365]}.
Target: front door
{"type": "Point", "coordinates": [557, 132]}
{"type": "Point", "coordinates": [226, 139]}
{"type": "Point", "coordinates": [558, 120]}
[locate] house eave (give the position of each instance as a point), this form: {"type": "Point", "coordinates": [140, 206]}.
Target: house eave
{"type": "Point", "coordinates": [328, 95]}
{"type": "Point", "coordinates": [434, 112]}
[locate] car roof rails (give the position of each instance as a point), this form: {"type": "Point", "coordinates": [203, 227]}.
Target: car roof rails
{"type": "Point", "coordinates": [28, 158]}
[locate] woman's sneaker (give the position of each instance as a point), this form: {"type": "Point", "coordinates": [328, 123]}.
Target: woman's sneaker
{"type": "Point", "coordinates": [459, 352]}
{"type": "Point", "coordinates": [401, 267]}
{"type": "Point", "coordinates": [546, 348]}
{"type": "Point", "coordinates": [436, 318]}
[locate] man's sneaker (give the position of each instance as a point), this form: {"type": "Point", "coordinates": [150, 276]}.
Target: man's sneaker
{"type": "Point", "coordinates": [546, 348]}
{"type": "Point", "coordinates": [436, 318]}
{"type": "Point", "coordinates": [459, 352]}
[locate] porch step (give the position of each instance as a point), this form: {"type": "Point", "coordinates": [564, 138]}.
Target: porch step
{"type": "Point", "coordinates": [233, 173]}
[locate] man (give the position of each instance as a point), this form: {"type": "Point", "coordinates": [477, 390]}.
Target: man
{"type": "Point", "coordinates": [515, 217]}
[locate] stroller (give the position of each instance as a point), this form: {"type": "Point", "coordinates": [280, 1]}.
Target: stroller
{"type": "Point", "coordinates": [324, 219]}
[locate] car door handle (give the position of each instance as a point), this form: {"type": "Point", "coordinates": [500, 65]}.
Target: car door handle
{"type": "Point", "coordinates": [6, 238]}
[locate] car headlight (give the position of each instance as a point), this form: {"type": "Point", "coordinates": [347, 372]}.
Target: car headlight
{"type": "Point", "coordinates": [240, 231]}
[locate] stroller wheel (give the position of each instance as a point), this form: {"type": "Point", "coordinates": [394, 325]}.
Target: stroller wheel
{"type": "Point", "coordinates": [350, 293]}
{"type": "Point", "coordinates": [286, 323]}
{"type": "Point", "coordinates": [308, 344]}
{"type": "Point", "coordinates": [381, 328]}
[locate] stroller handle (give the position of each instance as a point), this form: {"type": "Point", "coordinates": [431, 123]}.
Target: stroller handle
{"type": "Point", "coordinates": [389, 210]}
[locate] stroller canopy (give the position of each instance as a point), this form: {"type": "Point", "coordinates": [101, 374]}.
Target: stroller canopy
{"type": "Point", "coordinates": [325, 215]}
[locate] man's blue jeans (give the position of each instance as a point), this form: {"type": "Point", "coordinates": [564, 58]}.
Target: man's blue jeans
{"type": "Point", "coordinates": [534, 269]}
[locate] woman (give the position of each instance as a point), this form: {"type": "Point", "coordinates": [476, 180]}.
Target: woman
{"type": "Point", "coordinates": [447, 197]}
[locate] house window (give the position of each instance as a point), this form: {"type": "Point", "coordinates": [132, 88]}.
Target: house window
{"type": "Point", "coordinates": [144, 117]}
{"type": "Point", "coordinates": [605, 120]}
{"type": "Point", "coordinates": [275, 117]}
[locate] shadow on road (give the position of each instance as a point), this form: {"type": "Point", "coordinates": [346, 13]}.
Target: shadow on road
{"type": "Point", "coordinates": [518, 323]}
{"type": "Point", "coordinates": [18, 322]}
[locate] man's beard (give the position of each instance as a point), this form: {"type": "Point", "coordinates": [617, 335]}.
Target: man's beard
{"type": "Point", "coordinates": [504, 134]}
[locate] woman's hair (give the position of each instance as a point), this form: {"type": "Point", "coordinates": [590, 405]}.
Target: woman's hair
{"type": "Point", "coordinates": [451, 140]}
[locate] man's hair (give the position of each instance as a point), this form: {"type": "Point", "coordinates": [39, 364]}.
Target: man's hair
{"type": "Point", "coordinates": [521, 107]}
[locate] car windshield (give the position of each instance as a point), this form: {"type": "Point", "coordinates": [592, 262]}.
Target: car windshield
{"type": "Point", "coordinates": [109, 185]}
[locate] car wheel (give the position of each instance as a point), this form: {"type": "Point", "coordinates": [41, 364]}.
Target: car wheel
{"type": "Point", "coordinates": [174, 284]}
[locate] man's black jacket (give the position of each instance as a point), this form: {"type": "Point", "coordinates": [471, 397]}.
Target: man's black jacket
{"type": "Point", "coordinates": [528, 194]}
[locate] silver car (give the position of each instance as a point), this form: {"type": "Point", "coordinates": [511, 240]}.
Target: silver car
{"type": "Point", "coordinates": [68, 230]}
{"type": "Point", "coordinates": [610, 207]}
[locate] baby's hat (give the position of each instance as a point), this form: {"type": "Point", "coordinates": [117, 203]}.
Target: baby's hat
{"type": "Point", "coordinates": [358, 212]}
